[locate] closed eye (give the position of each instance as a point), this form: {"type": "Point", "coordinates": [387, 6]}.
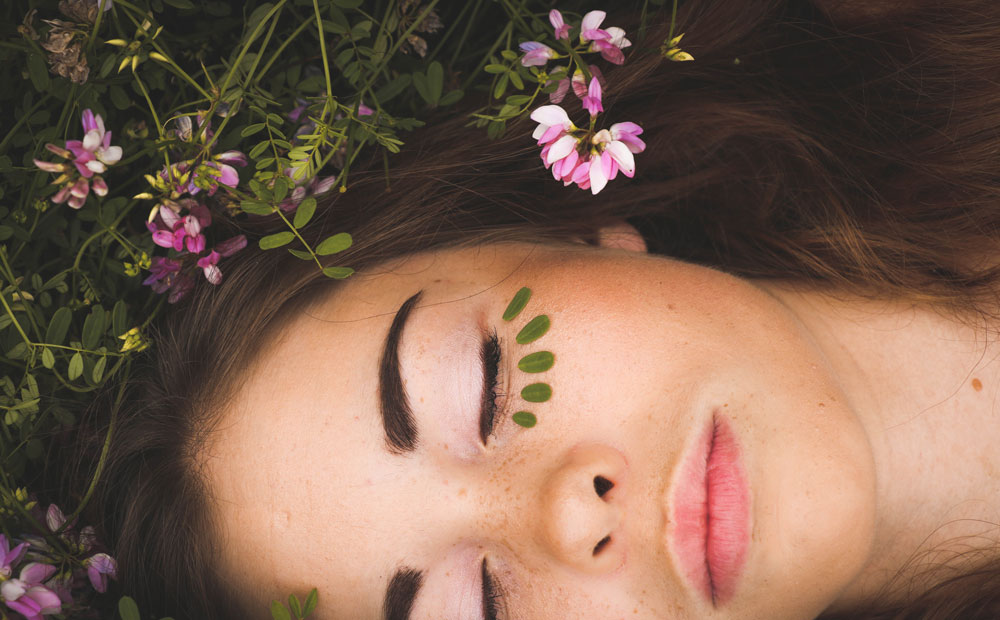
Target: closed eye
{"type": "Point", "coordinates": [490, 354]}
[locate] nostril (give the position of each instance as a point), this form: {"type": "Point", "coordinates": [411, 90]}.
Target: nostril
{"type": "Point", "coordinates": [604, 542]}
{"type": "Point", "coordinates": [602, 485]}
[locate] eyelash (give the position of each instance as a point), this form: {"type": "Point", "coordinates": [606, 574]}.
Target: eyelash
{"type": "Point", "coordinates": [493, 600]}
{"type": "Point", "coordinates": [491, 354]}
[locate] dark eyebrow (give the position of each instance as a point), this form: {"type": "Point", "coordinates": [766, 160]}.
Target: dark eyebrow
{"type": "Point", "coordinates": [401, 593]}
{"type": "Point", "coordinates": [394, 407]}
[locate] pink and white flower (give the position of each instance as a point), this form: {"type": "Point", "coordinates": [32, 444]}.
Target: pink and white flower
{"type": "Point", "coordinates": [560, 26]}
{"type": "Point", "coordinates": [100, 566]}
{"type": "Point", "coordinates": [90, 157]}
{"type": "Point", "coordinates": [536, 54]}
{"type": "Point", "coordinates": [592, 101]}
{"type": "Point", "coordinates": [10, 557]}
{"type": "Point", "coordinates": [210, 263]}
{"type": "Point", "coordinates": [608, 41]}
{"type": "Point", "coordinates": [27, 595]}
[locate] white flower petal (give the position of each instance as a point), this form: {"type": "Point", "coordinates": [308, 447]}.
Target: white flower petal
{"type": "Point", "coordinates": [110, 155]}
{"type": "Point", "coordinates": [92, 140]}
{"type": "Point", "coordinates": [561, 148]}
{"type": "Point", "coordinates": [96, 166]}
{"type": "Point", "coordinates": [551, 115]}
{"type": "Point", "coordinates": [618, 37]}
{"type": "Point", "coordinates": [597, 177]}
{"type": "Point", "coordinates": [538, 133]}
{"type": "Point", "coordinates": [591, 21]}
{"type": "Point", "coordinates": [622, 155]}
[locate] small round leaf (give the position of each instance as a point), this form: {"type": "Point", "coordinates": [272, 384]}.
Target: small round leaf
{"type": "Point", "coordinates": [539, 361]}
{"type": "Point", "coordinates": [517, 304]}
{"type": "Point", "coordinates": [536, 392]}
{"type": "Point", "coordinates": [58, 326]}
{"type": "Point", "coordinates": [333, 244]}
{"type": "Point", "coordinates": [304, 212]}
{"type": "Point", "coordinates": [75, 366]}
{"type": "Point", "coordinates": [534, 330]}
{"type": "Point", "coordinates": [525, 419]}
{"type": "Point", "coordinates": [127, 609]}
{"type": "Point", "coordinates": [276, 240]}
{"type": "Point", "coordinates": [99, 367]}
{"type": "Point", "coordinates": [278, 611]}
{"type": "Point", "coordinates": [338, 273]}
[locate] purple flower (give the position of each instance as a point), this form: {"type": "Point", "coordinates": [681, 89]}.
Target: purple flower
{"type": "Point", "coordinates": [100, 566]}
{"type": "Point", "coordinates": [170, 230]}
{"type": "Point", "coordinates": [592, 102]}
{"type": "Point", "coordinates": [10, 557]}
{"type": "Point", "coordinates": [210, 264]}
{"type": "Point", "coordinates": [166, 275]}
{"type": "Point", "coordinates": [27, 596]}
{"type": "Point", "coordinates": [560, 26]}
{"type": "Point", "coordinates": [609, 42]}
{"type": "Point", "coordinates": [573, 160]}
{"type": "Point", "coordinates": [311, 187]}
{"type": "Point", "coordinates": [90, 157]}
{"type": "Point", "coordinates": [536, 54]}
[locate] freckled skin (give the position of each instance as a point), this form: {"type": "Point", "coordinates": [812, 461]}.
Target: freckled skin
{"type": "Point", "coordinates": [648, 349]}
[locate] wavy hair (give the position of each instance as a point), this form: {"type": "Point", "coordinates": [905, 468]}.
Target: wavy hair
{"type": "Point", "coordinates": [860, 155]}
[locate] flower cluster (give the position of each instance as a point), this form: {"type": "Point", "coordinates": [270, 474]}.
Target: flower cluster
{"type": "Point", "coordinates": [178, 221]}
{"type": "Point", "coordinates": [87, 160]}
{"type": "Point", "coordinates": [586, 157]}
{"type": "Point", "coordinates": [33, 586]}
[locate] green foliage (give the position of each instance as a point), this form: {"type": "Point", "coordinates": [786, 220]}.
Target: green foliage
{"type": "Point", "coordinates": [517, 304]}
{"type": "Point", "coordinates": [359, 74]}
{"type": "Point", "coordinates": [533, 330]}
{"type": "Point", "coordinates": [539, 361]}
{"type": "Point", "coordinates": [536, 392]}
{"type": "Point", "coordinates": [295, 610]}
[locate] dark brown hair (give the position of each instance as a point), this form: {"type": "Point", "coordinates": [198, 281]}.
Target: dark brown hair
{"type": "Point", "coordinates": [858, 152]}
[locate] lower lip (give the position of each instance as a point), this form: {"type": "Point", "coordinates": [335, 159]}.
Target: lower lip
{"type": "Point", "coordinates": [711, 514]}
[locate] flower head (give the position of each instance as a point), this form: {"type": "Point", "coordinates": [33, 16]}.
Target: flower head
{"type": "Point", "coordinates": [28, 596]}
{"type": "Point", "coordinates": [88, 159]}
{"type": "Point", "coordinates": [560, 26]}
{"type": "Point", "coordinates": [592, 101]}
{"type": "Point", "coordinates": [536, 54]}
{"type": "Point", "coordinates": [608, 41]}
{"type": "Point", "coordinates": [10, 557]}
{"type": "Point", "coordinates": [100, 566]}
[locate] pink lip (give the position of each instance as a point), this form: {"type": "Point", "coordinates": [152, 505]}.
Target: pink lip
{"type": "Point", "coordinates": [711, 514]}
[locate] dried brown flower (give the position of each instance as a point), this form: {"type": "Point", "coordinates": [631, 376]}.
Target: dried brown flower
{"type": "Point", "coordinates": [27, 27]}
{"type": "Point", "coordinates": [409, 11]}
{"type": "Point", "coordinates": [65, 46]}
{"type": "Point", "coordinates": [83, 11]}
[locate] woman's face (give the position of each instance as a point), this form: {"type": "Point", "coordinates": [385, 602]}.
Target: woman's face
{"type": "Point", "coordinates": [594, 512]}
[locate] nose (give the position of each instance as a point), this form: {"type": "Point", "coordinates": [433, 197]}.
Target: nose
{"type": "Point", "coordinates": [582, 509]}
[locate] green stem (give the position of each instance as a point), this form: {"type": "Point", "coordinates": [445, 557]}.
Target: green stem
{"type": "Point", "coordinates": [102, 461]}
{"type": "Point", "coordinates": [24, 118]}
{"type": "Point", "coordinates": [281, 48]}
{"type": "Point", "coordinates": [13, 320]}
{"type": "Point", "coordinates": [328, 107]}
{"type": "Point", "coordinates": [13, 281]}
{"type": "Point", "coordinates": [156, 117]}
{"type": "Point", "coordinates": [231, 73]}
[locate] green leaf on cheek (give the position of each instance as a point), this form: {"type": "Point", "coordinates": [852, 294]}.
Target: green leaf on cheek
{"type": "Point", "coordinates": [525, 419]}
{"type": "Point", "coordinates": [517, 304]}
{"type": "Point", "coordinates": [539, 361]}
{"type": "Point", "coordinates": [534, 330]}
{"type": "Point", "coordinates": [536, 392]}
